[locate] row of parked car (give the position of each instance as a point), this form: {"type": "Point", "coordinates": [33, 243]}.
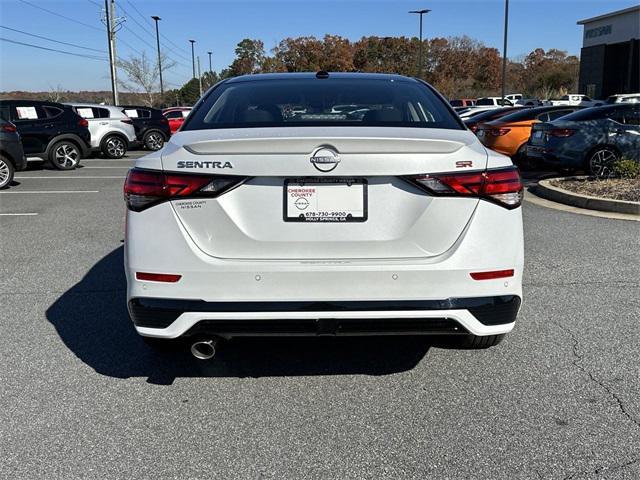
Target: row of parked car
{"type": "Point", "coordinates": [63, 134]}
{"type": "Point", "coordinates": [567, 138]}
{"type": "Point", "coordinates": [466, 107]}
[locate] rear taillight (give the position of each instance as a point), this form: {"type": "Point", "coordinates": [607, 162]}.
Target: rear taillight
{"type": "Point", "coordinates": [9, 128]}
{"type": "Point", "coordinates": [561, 132]}
{"type": "Point", "coordinates": [83, 122]}
{"type": "Point", "coordinates": [145, 188]}
{"type": "Point", "coordinates": [498, 132]}
{"type": "Point", "coordinates": [502, 186]}
{"type": "Point", "coordinates": [127, 120]}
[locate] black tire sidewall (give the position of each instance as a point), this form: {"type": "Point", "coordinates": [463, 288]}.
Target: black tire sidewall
{"type": "Point", "coordinates": [103, 146]}
{"type": "Point", "coordinates": [52, 153]}
{"type": "Point", "coordinates": [596, 150]}
{"type": "Point", "coordinates": [146, 138]}
{"type": "Point", "coordinates": [12, 171]}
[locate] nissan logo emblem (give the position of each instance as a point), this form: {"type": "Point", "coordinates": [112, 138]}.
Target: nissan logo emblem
{"type": "Point", "coordinates": [325, 159]}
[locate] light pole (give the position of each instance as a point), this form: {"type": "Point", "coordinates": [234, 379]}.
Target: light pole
{"type": "Point", "coordinates": [193, 58]}
{"type": "Point", "coordinates": [504, 50]}
{"type": "Point", "coordinates": [421, 13]}
{"type": "Point", "coordinates": [210, 69]}
{"type": "Point", "coordinates": [156, 18]}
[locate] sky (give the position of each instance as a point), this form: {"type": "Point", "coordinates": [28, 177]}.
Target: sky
{"type": "Point", "coordinates": [219, 25]}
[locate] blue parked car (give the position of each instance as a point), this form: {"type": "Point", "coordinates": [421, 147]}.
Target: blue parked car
{"type": "Point", "coordinates": [591, 139]}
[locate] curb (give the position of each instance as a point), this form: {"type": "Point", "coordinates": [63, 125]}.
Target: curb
{"type": "Point", "coordinates": [544, 189]}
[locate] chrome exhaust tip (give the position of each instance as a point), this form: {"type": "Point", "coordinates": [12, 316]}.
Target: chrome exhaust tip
{"type": "Point", "coordinates": [204, 349]}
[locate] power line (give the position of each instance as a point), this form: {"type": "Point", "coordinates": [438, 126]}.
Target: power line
{"type": "Point", "coordinates": [52, 40]}
{"type": "Point", "coordinates": [137, 36]}
{"type": "Point", "coordinates": [61, 16]}
{"type": "Point", "coordinates": [167, 39]}
{"type": "Point", "coordinates": [142, 27]}
{"type": "Point", "coordinates": [92, 57]}
{"type": "Point", "coordinates": [149, 32]}
{"type": "Point", "coordinates": [120, 40]}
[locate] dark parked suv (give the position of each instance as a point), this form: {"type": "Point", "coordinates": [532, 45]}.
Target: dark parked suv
{"type": "Point", "coordinates": [11, 154]}
{"type": "Point", "coordinates": [152, 128]}
{"type": "Point", "coordinates": [51, 131]}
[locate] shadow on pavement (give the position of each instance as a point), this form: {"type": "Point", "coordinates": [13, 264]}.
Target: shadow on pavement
{"type": "Point", "coordinates": [92, 320]}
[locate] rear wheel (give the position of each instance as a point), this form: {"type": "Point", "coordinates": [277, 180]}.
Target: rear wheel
{"type": "Point", "coordinates": [64, 155]}
{"type": "Point", "coordinates": [6, 172]}
{"type": "Point", "coordinates": [113, 146]}
{"type": "Point", "coordinates": [522, 160]}
{"type": "Point", "coordinates": [600, 162]}
{"type": "Point", "coordinates": [153, 140]}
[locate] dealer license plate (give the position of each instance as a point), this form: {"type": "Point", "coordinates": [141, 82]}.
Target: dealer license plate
{"type": "Point", "coordinates": [325, 200]}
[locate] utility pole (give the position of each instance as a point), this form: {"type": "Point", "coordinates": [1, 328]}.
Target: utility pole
{"type": "Point", "coordinates": [156, 18]}
{"type": "Point", "coordinates": [504, 49]}
{"type": "Point", "coordinates": [199, 76]}
{"type": "Point", "coordinates": [111, 23]}
{"type": "Point", "coordinates": [193, 58]}
{"type": "Point", "coordinates": [210, 69]}
{"type": "Point", "coordinates": [421, 13]}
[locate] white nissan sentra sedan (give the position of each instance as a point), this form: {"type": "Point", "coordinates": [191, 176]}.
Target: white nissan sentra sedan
{"type": "Point", "coordinates": [323, 204]}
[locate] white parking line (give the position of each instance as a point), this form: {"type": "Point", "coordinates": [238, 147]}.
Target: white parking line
{"type": "Point", "coordinates": [17, 214]}
{"type": "Point", "coordinates": [78, 176]}
{"type": "Point", "coordinates": [50, 191]}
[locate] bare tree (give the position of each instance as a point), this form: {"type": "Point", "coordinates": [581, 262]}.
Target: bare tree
{"type": "Point", "coordinates": [143, 75]}
{"type": "Point", "coordinates": [55, 94]}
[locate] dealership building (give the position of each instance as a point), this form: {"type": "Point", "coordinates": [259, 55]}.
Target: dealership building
{"type": "Point", "coordinates": [610, 55]}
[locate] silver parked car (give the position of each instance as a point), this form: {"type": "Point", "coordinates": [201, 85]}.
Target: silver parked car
{"type": "Point", "coordinates": [111, 130]}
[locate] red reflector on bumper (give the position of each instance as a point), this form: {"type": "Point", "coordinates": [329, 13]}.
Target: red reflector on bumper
{"type": "Point", "coordinates": [492, 275]}
{"type": "Point", "coordinates": [158, 277]}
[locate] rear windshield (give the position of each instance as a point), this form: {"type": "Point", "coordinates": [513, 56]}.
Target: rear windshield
{"type": "Point", "coordinates": [594, 113]}
{"type": "Point", "coordinates": [526, 114]}
{"type": "Point", "coordinates": [322, 102]}
{"type": "Point", "coordinates": [491, 114]}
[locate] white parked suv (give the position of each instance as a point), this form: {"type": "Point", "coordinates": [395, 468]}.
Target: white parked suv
{"type": "Point", "coordinates": [111, 130]}
{"type": "Point", "coordinates": [484, 104]}
{"type": "Point", "coordinates": [624, 98]}
{"type": "Point", "coordinates": [575, 100]}
{"type": "Point", "coordinates": [255, 221]}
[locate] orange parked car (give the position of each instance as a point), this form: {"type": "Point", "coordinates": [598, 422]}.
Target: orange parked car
{"type": "Point", "coordinates": [509, 134]}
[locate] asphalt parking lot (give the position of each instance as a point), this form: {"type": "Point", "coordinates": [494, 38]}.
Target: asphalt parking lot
{"type": "Point", "coordinates": [81, 396]}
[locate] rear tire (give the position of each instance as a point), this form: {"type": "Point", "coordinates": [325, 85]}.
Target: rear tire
{"type": "Point", "coordinates": [6, 172]}
{"type": "Point", "coordinates": [64, 155]}
{"type": "Point", "coordinates": [521, 159]}
{"type": "Point", "coordinates": [473, 342]}
{"type": "Point", "coordinates": [113, 146]}
{"type": "Point", "coordinates": [153, 140]}
{"type": "Point", "coordinates": [600, 162]}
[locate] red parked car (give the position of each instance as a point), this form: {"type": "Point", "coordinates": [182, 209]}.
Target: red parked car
{"type": "Point", "coordinates": [176, 116]}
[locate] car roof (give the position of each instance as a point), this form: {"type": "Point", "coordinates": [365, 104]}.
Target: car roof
{"type": "Point", "coordinates": [142, 107]}
{"type": "Point", "coordinates": [88, 104]}
{"type": "Point", "coordinates": [525, 114]}
{"type": "Point", "coordinates": [310, 75]}
{"type": "Point", "coordinates": [32, 102]}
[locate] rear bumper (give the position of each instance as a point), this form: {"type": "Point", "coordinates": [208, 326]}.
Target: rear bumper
{"type": "Point", "coordinates": [323, 295]}
{"type": "Point", "coordinates": [16, 154]}
{"type": "Point", "coordinates": [167, 318]}
{"type": "Point", "coordinates": [555, 157]}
